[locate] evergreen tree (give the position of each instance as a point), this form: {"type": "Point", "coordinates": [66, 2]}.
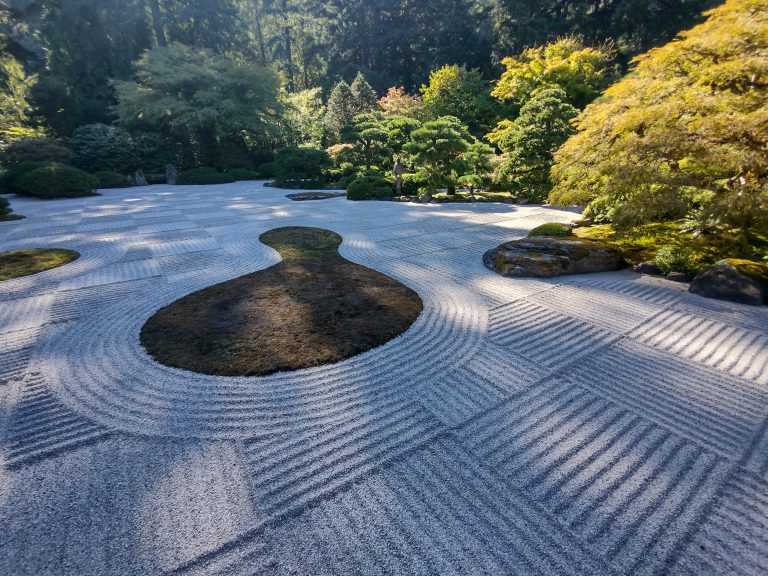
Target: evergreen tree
{"type": "Point", "coordinates": [365, 96]}
{"type": "Point", "coordinates": [369, 137]}
{"type": "Point", "coordinates": [340, 109]}
{"type": "Point", "coordinates": [531, 140]}
{"type": "Point", "coordinates": [436, 151]}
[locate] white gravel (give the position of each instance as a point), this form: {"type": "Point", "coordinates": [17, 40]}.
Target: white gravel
{"type": "Point", "coordinates": [599, 424]}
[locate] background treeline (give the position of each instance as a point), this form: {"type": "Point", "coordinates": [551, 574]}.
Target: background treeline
{"type": "Point", "coordinates": [69, 52]}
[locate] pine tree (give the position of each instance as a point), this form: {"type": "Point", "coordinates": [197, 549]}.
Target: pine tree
{"type": "Point", "coordinates": [365, 95]}
{"type": "Point", "coordinates": [340, 109]}
{"type": "Point", "coordinates": [436, 151]}
{"type": "Point", "coordinates": [531, 140]}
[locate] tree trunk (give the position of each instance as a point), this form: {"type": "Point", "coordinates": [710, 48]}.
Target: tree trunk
{"type": "Point", "coordinates": [157, 23]}
{"type": "Point", "coordinates": [288, 48]}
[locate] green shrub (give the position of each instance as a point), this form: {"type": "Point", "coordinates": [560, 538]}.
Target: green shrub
{"type": "Point", "coordinates": [674, 259]}
{"type": "Point", "coordinates": [266, 170]}
{"type": "Point", "coordinates": [240, 174]}
{"type": "Point", "coordinates": [294, 164]}
{"type": "Point", "coordinates": [10, 177]}
{"type": "Point", "coordinates": [57, 181]}
{"type": "Point", "coordinates": [552, 229]}
{"type": "Point", "coordinates": [111, 179]}
{"type": "Point", "coordinates": [99, 147]}
{"type": "Point", "coordinates": [601, 210]}
{"type": "Point", "coordinates": [412, 183]}
{"type": "Point", "coordinates": [203, 176]}
{"type": "Point", "coordinates": [36, 150]}
{"type": "Point", "coordinates": [154, 151]}
{"type": "Point", "coordinates": [370, 185]}
{"type": "Point", "coordinates": [155, 178]}
{"type": "Point", "coordinates": [5, 206]}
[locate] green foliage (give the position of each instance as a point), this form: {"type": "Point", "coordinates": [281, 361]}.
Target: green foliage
{"type": "Point", "coordinates": [241, 174]}
{"type": "Point", "coordinates": [399, 130]}
{"type": "Point", "coordinates": [15, 109]}
{"type": "Point", "coordinates": [204, 175]}
{"type": "Point", "coordinates": [340, 109]}
{"type": "Point", "coordinates": [111, 179]}
{"type": "Point", "coordinates": [293, 164]}
{"type": "Point", "coordinates": [684, 133]}
{"type": "Point", "coordinates": [436, 149]}
{"type": "Point", "coordinates": [56, 181]}
{"type": "Point", "coordinates": [412, 183]}
{"type": "Point", "coordinates": [633, 26]}
{"type": "Point", "coordinates": [531, 140]}
{"type": "Point", "coordinates": [673, 259]}
{"type": "Point", "coordinates": [10, 176]}
{"type": "Point", "coordinates": [370, 185]}
{"type": "Point", "coordinates": [88, 45]}
{"type": "Point", "coordinates": [36, 150]}
{"type": "Point", "coordinates": [460, 92]}
{"type": "Point", "coordinates": [369, 136]}
{"type": "Point", "coordinates": [304, 113]}
{"type": "Point", "coordinates": [210, 98]}
{"type": "Point", "coordinates": [555, 229]}
{"type": "Point", "coordinates": [101, 147]}
{"type": "Point", "coordinates": [364, 95]}
{"type": "Point", "coordinates": [5, 206]}
{"type": "Point", "coordinates": [580, 71]}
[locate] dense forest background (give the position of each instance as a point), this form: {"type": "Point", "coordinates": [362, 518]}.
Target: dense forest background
{"type": "Point", "coordinates": [61, 57]}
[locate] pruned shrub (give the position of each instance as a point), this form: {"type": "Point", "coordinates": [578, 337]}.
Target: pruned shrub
{"type": "Point", "coordinates": [306, 165]}
{"type": "Point", "coordinates": [57, 181]}
{"type": "Point", "coordinates": [36, 150]}
{"type": "Point", "coordinates": [674, 259]}
{"type": "Point", "coordinates": [111, 179]}
{"type": "Point", "coordinates": [370, 185]}
{"type": "Point", "coordinates": [99, 147]}
{"type": "Point", "coordinates": [9, 178]}
{"type": "Point", "coordinates": [412, 183]}
{"type": "Point", "coordinates": [266, 170]}
{"type": "Point", "coordinates": [204, 176]}
{"type": "Point", "coordinates": [552, 229]}
{"type": "Point", "coordinates": [5, 206]}
{"type": "Point", "coordinates": [155, 178]}
{"type": "Point", "coordinates": [241, 174]}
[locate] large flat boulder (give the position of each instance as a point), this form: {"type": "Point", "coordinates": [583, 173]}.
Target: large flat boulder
{"type": "Point", "coordinates": [734, 280]}
{"type": "Point", "coordinates": [547, 257]}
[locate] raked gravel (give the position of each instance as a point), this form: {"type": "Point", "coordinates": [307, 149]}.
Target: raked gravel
{"type": "Point", "coordinates": [596, 424]}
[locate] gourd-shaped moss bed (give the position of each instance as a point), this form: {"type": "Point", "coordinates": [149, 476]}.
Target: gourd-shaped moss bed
{"type": "Point", "coordinates": [313, 308]}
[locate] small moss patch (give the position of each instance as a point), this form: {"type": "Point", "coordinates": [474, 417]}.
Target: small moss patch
{"type": "Point", "coordinates": [302, 196]}
{"type": "Point", "coordinates": [10, 217]}
{"type": "Point", "coordinates": [553, 229]}
{"type": "Point", "coordinates": [313, 308]}
{"type": "Point", "coordinates": [18, 263]}
{"type": "Point", "coordinates": [755, 270]}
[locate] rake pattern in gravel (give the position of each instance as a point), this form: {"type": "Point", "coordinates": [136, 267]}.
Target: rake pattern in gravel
{"type": "Point", "coordinates": [596, 424]}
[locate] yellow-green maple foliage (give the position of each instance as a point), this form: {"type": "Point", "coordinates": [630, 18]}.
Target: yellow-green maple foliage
{"type": "Point", "coordinates": [686, 130]}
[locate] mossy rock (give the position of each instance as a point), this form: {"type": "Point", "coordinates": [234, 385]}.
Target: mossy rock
{"type": "Point", "coordinates": [742, 281]}
{"type": "Point", "coordinates": [547, 257]}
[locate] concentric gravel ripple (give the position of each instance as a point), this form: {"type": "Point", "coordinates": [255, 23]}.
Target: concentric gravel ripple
{"type": "Point", "coordinates": [109, 376]}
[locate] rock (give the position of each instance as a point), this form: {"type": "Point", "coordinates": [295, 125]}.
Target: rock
{"type": "Point", "coordinates": [547, 257]}
{"type": "Point", "coordinates": [471, 198]}
{"type": "Point", "coordinates": [171, 174]}
{"type": "Point", "coordinates": [139, 179]}
{"type": "Point", "coordinates": [734, 280]}
{"type": "Point", "coordinates": [425, 198]}
{"type": "Point", "coordinates": [678, 276]}
{"type": "Point", "coordinates": [648, 268]}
